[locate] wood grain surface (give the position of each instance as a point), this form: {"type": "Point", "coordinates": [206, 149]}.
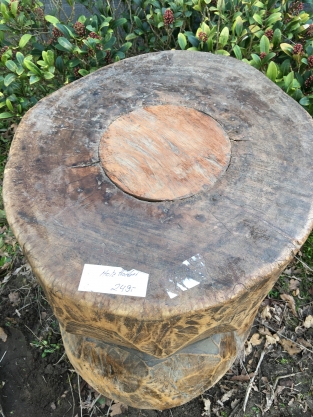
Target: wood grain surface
{"type": "Point", "coordinates": [141, 380]}
{"type": "Point", "coordinates": [244, 229]}
{"type": "Point", "coordinates": [164, 152]}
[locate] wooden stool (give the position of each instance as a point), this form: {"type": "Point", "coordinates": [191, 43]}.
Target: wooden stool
{"type": "Point", "coordinates": [193, 169]}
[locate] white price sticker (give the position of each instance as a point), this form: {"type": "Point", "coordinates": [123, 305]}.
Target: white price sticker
{"type": "Point", "coordinates": [113, 280]}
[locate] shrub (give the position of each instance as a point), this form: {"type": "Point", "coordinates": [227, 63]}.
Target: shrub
{"type": "Point", "coordinates": [273, 36]}
{"type": "Point", "coordinates": [39, 53]}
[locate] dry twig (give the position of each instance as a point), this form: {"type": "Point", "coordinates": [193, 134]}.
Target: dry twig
{"type": "Point", "coordinates": [80, 398]}
{"type": "Point", "coordinates": [93, 404]}
{"type": "Point", "coordinates": [69, 381]}
{"type": "Point", "coordinates": [1, 411]}
{"type": "Point", "coordinates": [252, 380]}
{"type": "Point", "coordinates": [269, 401]}
{"type": "Point", "coordinates": [109, 408]}
{"type": "Point", "coordinates": [3, 356]}
{"type": "Point", "coordinates": [304, 264]}
{"type": "Point", "coordinates": [64, 354]}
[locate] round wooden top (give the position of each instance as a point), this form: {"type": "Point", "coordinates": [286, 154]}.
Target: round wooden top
{"type": "Point", "coordinates": [164, 152]}
{"type": "Point", "coordinates": [210, 256]}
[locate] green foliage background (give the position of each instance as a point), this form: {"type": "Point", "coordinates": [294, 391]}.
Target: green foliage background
{"type": "Point", "coordinates": [40, 53]}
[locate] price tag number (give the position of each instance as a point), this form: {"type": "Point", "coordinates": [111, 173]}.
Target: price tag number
{"type": "Point", "coordinates": [113, 280]}
{"type": "Point", "coordinates": [123, 288]}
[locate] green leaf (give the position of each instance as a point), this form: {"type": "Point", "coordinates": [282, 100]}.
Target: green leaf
{"type": "Point", "coordinates": [32, 67]}
{"type": "Point", "coordinates": [65, 44]}
{"type": "Point", "coordinates": [24, 40]}
{"type": "Point", "coordinates": [220, 5]}
{"type": "Point", "coordinates": [19, 70]}
{"type": "Point", "coordinates": [65, 30]}
{"type": "Point", "coordinates": [125, 47]}
{"type": "Point", "coordinates": [60, 48]}
{"type": "Point", "coordinates": [178, 23]}
{"type": "Point", "coordinates": [257, 18]}
{"type": "Point", "coordinates": [76, 49]}
{"type": "Point", "coordinates": [264, 44]}
{"type": "Point", "coordinates": [73, 63]}
{"type": "Point", "coordinates": [268, 57]}
{"type": "Point", "coordinates": [273, 18]}
{"type": "Point", "coordinates": [52, 19]}
{"type": "Point", "coordinates": [193, 40]}
{"type": "Point", "coordinates": [83, 72]}
{"type": "Point", "coordinates": [48, 57]}
{"type": "Point", "coordinates": [287, 48]}
{"type": "Point", "coordinates": [118, 22]}
{"type": "Point", "coordinates": [276, 37]}
{"type": "Point", "coordinates": [9, 79]}
{"type": "Point", "coordinates": [272, 72]}
{"type": "Point", "coordinates": [205, 28]}
{"type": "Point", "coordinates": [20, 57]}
{"type": "Point", "coordinates": [120, 54]}
{"type": "Point", "coordinates": [297, 95]}
{"type": "Point", "coordinates": [59, 64]}
{"type": "Point", "coordinates": [224, 35]}
{"type": "Point", "coordinates": [305, 16]}
{"type": "Point", "coordinates": [138, 22]}
{"type": "Point", "coordinates": [131, 36]}
{"type": "Point", "coordinates": [288, 79]}
{"type": "Point", "coordinates": [48, 75]}
{"type": "Point", "coordinates": [239, 26]}
{"type": "Point", "coordinates": [110, 43]}
{"type": "Point", "coordinates": [256, 58]}
{"type": "Point", "coordinates": [91, 28]}
{"type": "Point", "coordinates": [11, 65]}
{"type": "Point", "coordinates": [182, 41]}
{"type": "Point", "coordinates": [9, 105]}
{"type": "Point", "coordinates": [256, 61]}
{"type": "Point", "coordinates": [285, 67]}
{"type": "Point", "coordinates": [4, 11]}
{"type": "Point", "coordinates": [210, 44]}
{"type": "Point", "coordinates": [34, 79]}
{"type": "Point", "coordinates": [237, 52]}
{"type": "Point", "coordinates": [13, 8]}
{"type": "Point", "coordinates": [104, 24]}
{"type": "Point", "coordinates": [222, 52]}
{"type": "Point", "coordinates": [6, 115]}
{"type": "Point", "coordinates": [305, 101]}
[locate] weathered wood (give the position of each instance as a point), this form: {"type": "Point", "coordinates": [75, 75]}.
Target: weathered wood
{"type": "Point", "coordinates": [237, 228]}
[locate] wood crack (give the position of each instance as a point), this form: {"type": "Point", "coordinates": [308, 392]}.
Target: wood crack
{"type": "Point", "coordinates": [86, 164]}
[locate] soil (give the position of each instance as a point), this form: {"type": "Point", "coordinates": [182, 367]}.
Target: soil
{"type": "Point", "coordinates": [35, 386]}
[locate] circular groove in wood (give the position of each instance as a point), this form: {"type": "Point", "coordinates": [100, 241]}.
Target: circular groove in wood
{"type": "Point", "coordinates": [164, 152]}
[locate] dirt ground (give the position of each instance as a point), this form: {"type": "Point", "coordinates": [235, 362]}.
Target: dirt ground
{"type": "Point", "coordinates": [37, 380]}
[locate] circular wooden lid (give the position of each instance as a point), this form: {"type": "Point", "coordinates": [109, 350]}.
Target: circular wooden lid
{"type": "Point", "coordinates": [164, 152]}
{"type": "Point", "coordinates": [65, 202]}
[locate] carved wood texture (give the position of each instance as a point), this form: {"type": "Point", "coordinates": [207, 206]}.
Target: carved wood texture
{"type": "Point", "coordinates": [64, 199]}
